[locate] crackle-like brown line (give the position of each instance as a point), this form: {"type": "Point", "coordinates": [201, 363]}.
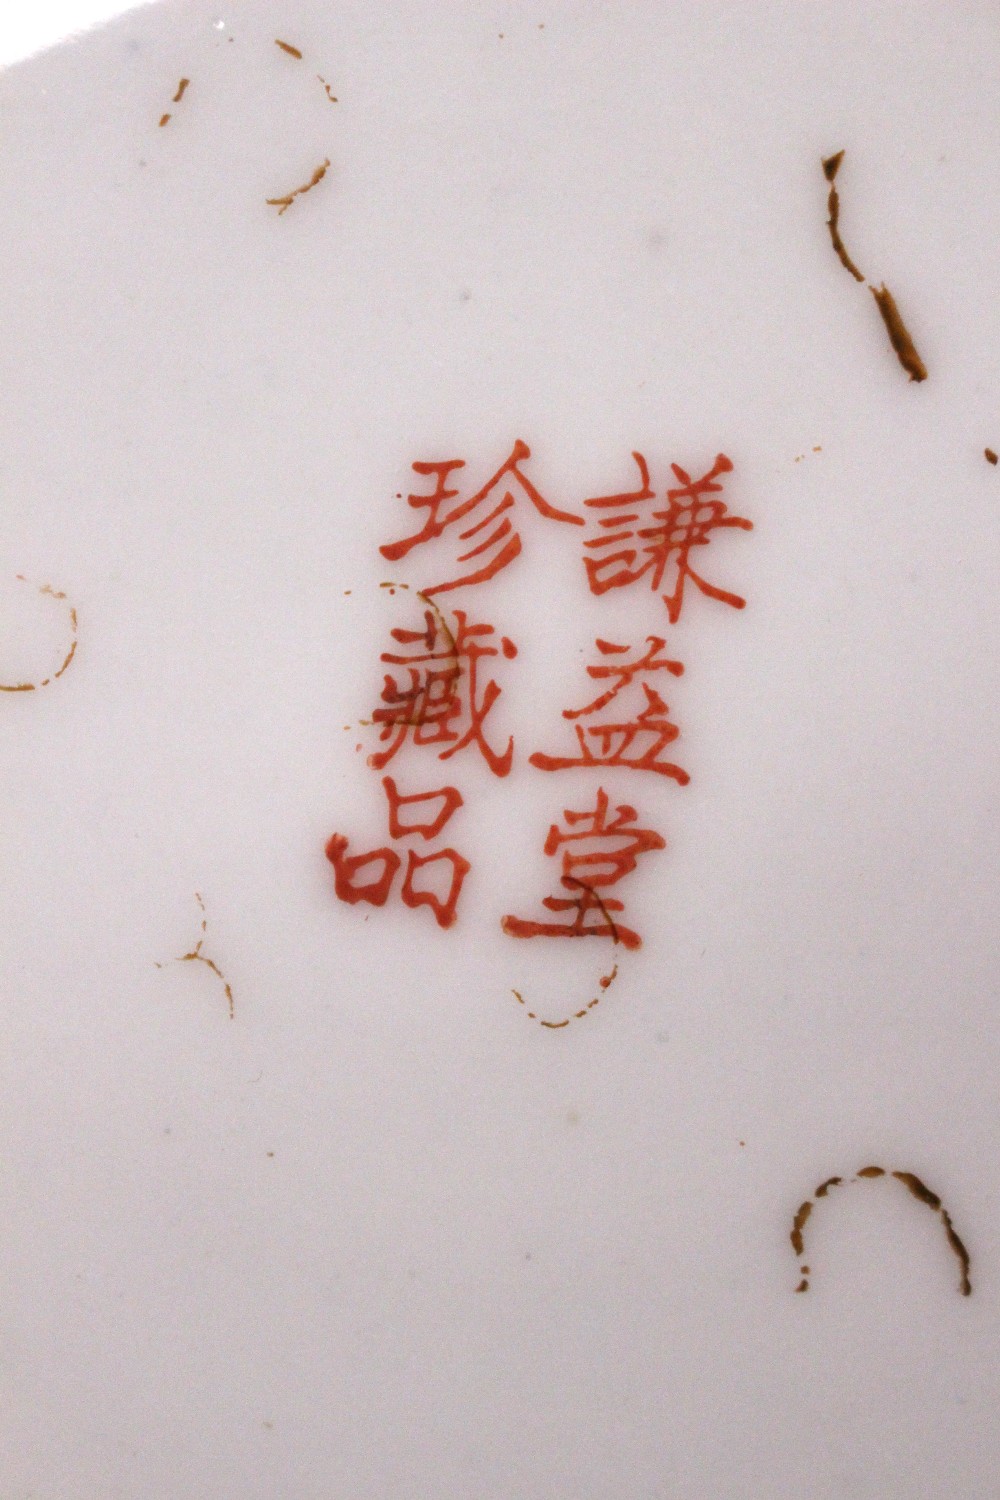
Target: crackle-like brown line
{"type": "Point", "coordinates": [605, 981]}
{"type": "Point", "coordinates": [176, 99]}
{"type": "Point", "coordinates": [899, 334]}
{"type": "Point", "coordinates": [914, 1185]}
{"type": "Point", "coordinates": [31, 687]}
{"type": "Point", "coordinates": [831, 167]}
{"type": "Point", "coordinates": [197, 957]}
{"type": "Point", "coordinates": [285, 203]}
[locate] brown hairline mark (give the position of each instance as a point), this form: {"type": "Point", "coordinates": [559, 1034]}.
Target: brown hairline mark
{"type": "Point", "coordinates": [605, 981]}
{"type": "Point", "coordinates": [176, 99]}
{"type": "Point", "coordinates": [285, 203]}
{"type": "Point", "coordinates": [899, 334]}
{"type": "Point", "coordinates": [831, 166]}
{"type": "Point", "coordinates": [196, 956]}
{"type": "Point", "coordinates": [915, 1186]}
{"type": "Point", "coordinates": [294, 52]}
{"type": "Point", "coordinates": [31, 687]}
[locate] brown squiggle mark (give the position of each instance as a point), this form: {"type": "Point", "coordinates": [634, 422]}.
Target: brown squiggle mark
{"type": "Point", "coordinates": [605, 980]}
{"type": "Point", "coordinates": [287, 47]}
{"type": "Point", "coordinates": [831, 166]}
{"type": "Point", "coordinates": [196, 956]}
{"type": "Point", "coordinates": [914, 1185]}
{"type": "Point", "coordinates": [899, 334]}
{"type": "Point", "coordinates": [177, 98]}
{"type": "Point", "coordinates": [285, 203]}
{"type": "Point", "coordinates": [30, 687]}
{"type": "Point", "coordinates": [960, 1251]}
{"type": "Point", "coordinates": [329, 94]}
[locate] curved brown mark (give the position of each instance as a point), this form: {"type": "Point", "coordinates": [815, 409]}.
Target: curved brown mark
{"type": "Point", "coordinates": [922, 1193]}
{"type": "Point", "coordinates": [831, 166]}
{"type": "Point", "coordinates": [605, 982]}
{"type": "Point", "coordinates": [285, 203]}
{"type": "Point", "coordinates": [30, 687]}
{"type": "Point", "coordinates": [899, 335]}
{"type": "Point", "coordinates": [916, 1187]}
{"type": "Point", "coordinates": [196, 956]}
{"type": "Point", "coordinates": [329, 94]}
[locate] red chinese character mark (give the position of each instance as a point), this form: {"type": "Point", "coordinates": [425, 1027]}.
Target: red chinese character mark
{"type": "Point", "coordinates": [647, 733]}
{"type": "Point", "coordinates": [687, 522]}
{"type": "Point", "coordinates": [582, 905]}
{"type": "Point", "coordinates": [588, 869]}
{"type": "Point", "coordinates": [346, 867]}
{"type": "Point", "coordinates": [413, 893]}
{"type": "Point", "coordinates": [440, 704]}
{"type": "Point", "coordinates": [624, 671]}
{"type": "Point", "coordinates": [450, 797]}
{"type": "Point", "coordinates": [444, 910]}
{"type": "Point", "coordinates": [488, 554]}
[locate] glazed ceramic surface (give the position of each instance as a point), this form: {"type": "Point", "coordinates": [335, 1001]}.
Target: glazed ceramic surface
{"type": "Point", "coordinates": [309, 1189]}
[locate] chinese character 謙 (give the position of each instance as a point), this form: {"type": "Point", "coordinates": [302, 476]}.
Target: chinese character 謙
{"type": "Point", "coordinates": [665, 540]}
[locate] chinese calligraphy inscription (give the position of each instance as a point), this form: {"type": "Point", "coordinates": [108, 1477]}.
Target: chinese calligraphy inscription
{"type": "Point", "coordinates": [445, 675]}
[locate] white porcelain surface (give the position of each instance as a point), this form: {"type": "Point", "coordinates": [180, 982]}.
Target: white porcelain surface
{"type": "Point", "coordinates": [380, 1235]}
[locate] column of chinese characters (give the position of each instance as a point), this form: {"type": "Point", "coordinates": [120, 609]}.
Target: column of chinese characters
{"type": "Point", "coordinates": [438, 694]}
{"type": "Point", "coordinates": [616, 730]}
